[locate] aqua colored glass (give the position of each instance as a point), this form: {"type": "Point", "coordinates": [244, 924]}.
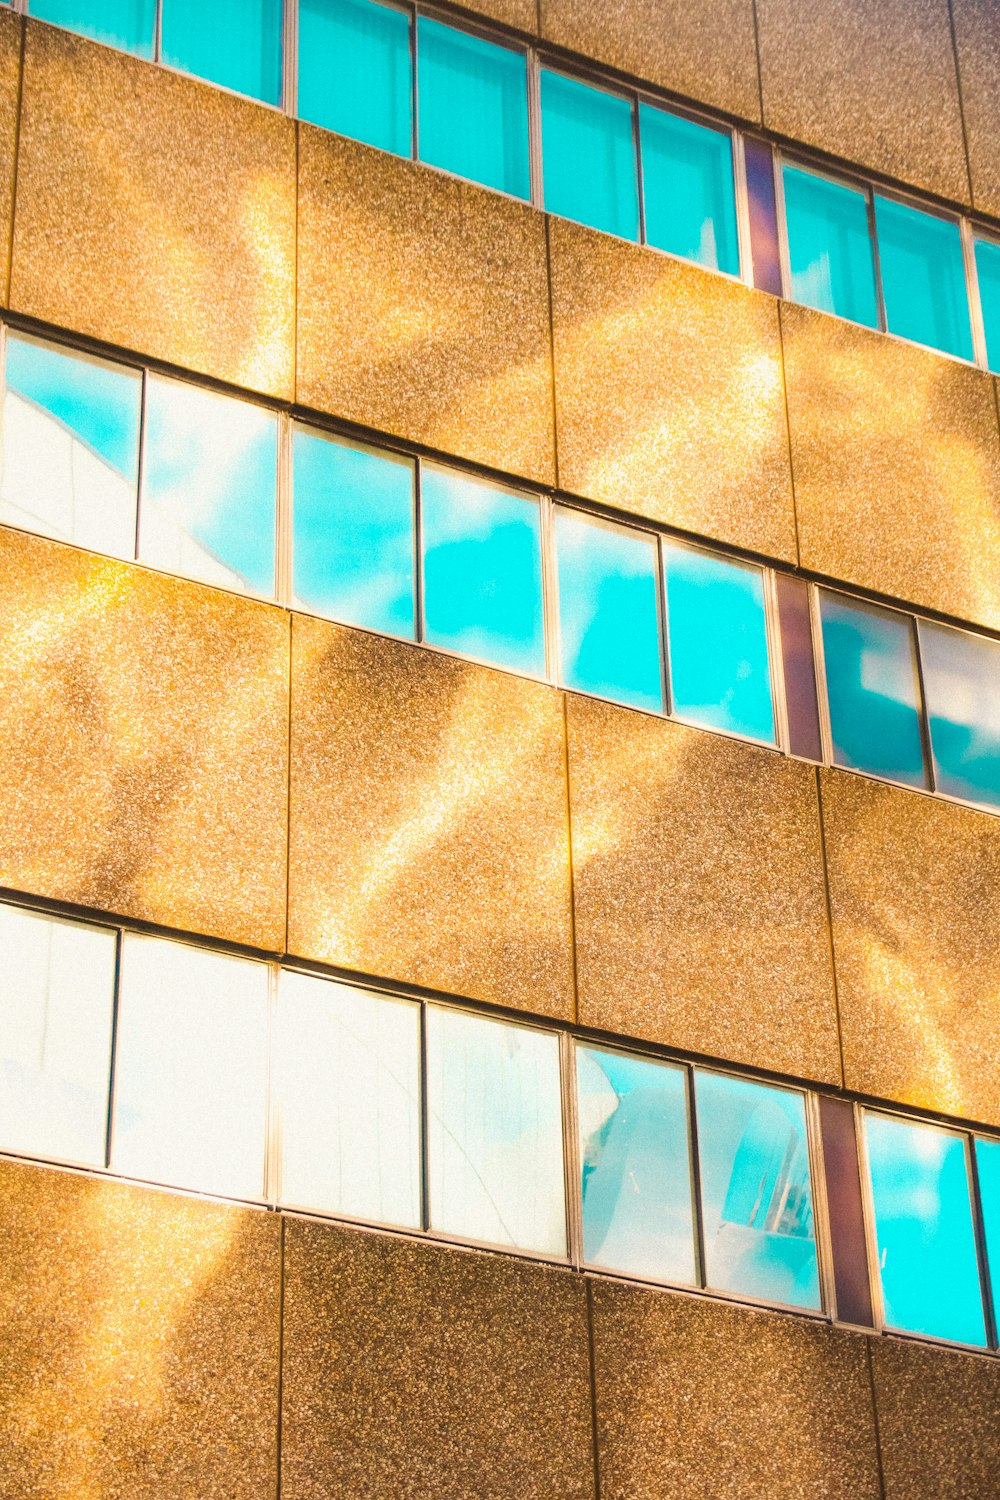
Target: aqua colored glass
{"type": "Point", "coordinates": [588, 156]}
{"type": "Point", "coordinates": [720, 673]}
{"type": "Point", "coordinates": [129, 24]}
{"type": "Point", "coordinates": [482, 561]}
{"type": "Point", "coordinates": [355, 71]}
{"type": "Point", "coordinates": [473, 107]}
{"type": "Point", "coordinates": [962, 688]}
{"type": "Point", "coordinates": [924, 1230]}
{"type": "Point", "coordinates": [353, 533]}
{"type": "Point", "coordinates": [988, 276]}
{"type": "Point", "coordinates": [872, 689]}
{"type": "Point", "coordinates": [756, 1190]}
{"type": "Point", "coordinates": [688, 189]}
{"type": "Point", "coordinates": [635, 1155]}
{"type": "Point", "coordinates": [988, 1170]}
{"type": "Point", "coordinates": [609, 631]}
{"type": "Point", "coordinates": [923, 277]}
{"type": "Point", "coordinates": [830, 254]}
{"type": "Point", "coordinates": [234, 43]}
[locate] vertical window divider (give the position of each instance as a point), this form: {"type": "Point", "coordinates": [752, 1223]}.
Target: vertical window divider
{"type": "Point", "coordinates": [982, 1251]}
{"type": "Point", "coordinates": [922, 714]}
{"type": "Point", "coordinates": [425, 1172]}
{"type": "Point", "coordinates": [973, 293]}
{"type": "Point", "coordinates": [272, 1105]}
{"type": "Point", "coordinates": [821, 1205]}
{"type": "Point", "coordinates": [819, 670]}
{"type": "Point", "coordinates": [290, 58]}
{"type": "Point", "coordinates": [418, 554]}
{"type": "Point", "coordinates": [571, 1151]}
{"type": "Point", "coordinates": [550, 590]}
{"type": "Point", "coordinates": [776, 663]}
{"type": "Point", "coordinates": [158, 32]}
{"type": "Point", "coordinates": [742, 194]}
{"type": "Point", "coordinates": [414, 86]}
{"type": "Point", "coordinates": [868, 1211]}
{"type": "Point", "coordinates": [140, 458]}
{"type": "Point", "coordinates": [284, 501]}
{"type": "Point", "coordinates": [662, 624]}
{"type": "Point", "coordinates": [639, 181]}
{"type": "Point", "coordinates": [535, 164]}
{"type": "Point", "coordinates": [883, 321]}
{"type": "Point", "coordinates": [109, 1124]}
{"type": "Point", "coordinates": [694, 1158]}
{"type": "Point", "coordinates": [781, 214]}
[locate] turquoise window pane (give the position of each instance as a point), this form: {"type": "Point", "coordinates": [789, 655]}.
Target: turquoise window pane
{"type": "Point", "coordinates": [235, 43]}
{"type": "Point", "coordinates": [609, 634]}
{"type": "Point", "coordinates": [988, 276]}
{"type": "Point", "coordinates": [128, 24]}
{"type": "Point", "coordinates": [70, 446]}
{"type": "Point", "coordinates": [756, 1191]}
{"type": "Point", "coordinates": [871, 687]}
{"type": "Point", "coordinates": [352, 550]}
{"type": "Point", "coordinates": [473, 117]}
{"type": "Point", "coordinates": [636, 1166]}
{"type": "Point", "coordinates": [923, 1224]}
{"type": "Point", "coordinates": [355, 71]}
{"type": "Point", "coordinates": [589, 156]}
{"type": "Point", "coordinates": [962, 686]}
{"type": "Point", "coordinates": [482, 570]}
{"type": "Point", "coordinates": [923, 277]}
{"type": "Point", "coordinates": [988, 1168]}
{"type": "Point", "coordinates": [829, 246]}
{"type": "Point", "coordinates": [717, 634]}
{"type": "Point", "coordinates": [688, 189]}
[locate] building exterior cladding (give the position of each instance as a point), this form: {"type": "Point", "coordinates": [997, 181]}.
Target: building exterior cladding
{"type": "Point", "coordinates": [189, 761]}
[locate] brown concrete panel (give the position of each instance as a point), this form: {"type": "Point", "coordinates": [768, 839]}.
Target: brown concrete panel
{"type": "Point", "coordinates": [873, 81]}
{"type": "Point", "coordinates": [700, 908]}
{"type": "Point", "coordinates": [423, 306]}
{"type": "Point", "coordinates": [11, 34]}
{"type": "Point", "coordinates": [669, 393]}
{"type": "Point", "coordinates": [428, 833]}
{"type": "Point", "coordinates": [937, 1419]}
{"type": "Point", "coordinates": [140, 1342]}
{"type": "Point", "coordinates": [697, 1398]}
{"type": "Point", "coordinates": [916, 938]}
{"type": "Point", "coordinates": [977, 32]}
{"type": "Point", "coordinates": [707, 51]}
{"type": "Point", "coordinates": [155, 212]}
{"type": "Point", "coordinates": [431, 1373]}
{"type": "Point", "coordinates": [144, 725]}
{"type": "Point", "coordinates": [896, 460]}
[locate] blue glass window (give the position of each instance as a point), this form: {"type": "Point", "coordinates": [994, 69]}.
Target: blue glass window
{"type": "Point", "coordinates": [962, 686]}
{"type": "Point", "coordinates": [588, 156]}
{"type": "Point", "coordinates": [830, 253]}
{"type": "Point", "coordinates": [355, 71]}
{"type": "Point", "coordinates": [235, 43]}
{"type": "Point", "coordinates": [988, 1168]}
{"type": "Point", "coordinates": [128, 24]}
{"type": "Point", "coordinates": [717, 636]}
{"type": "Point", "coordinates": [353, 540]}
{"type": "Point", "coordinates": [923, 277]}
{"type": "Point", "coordinates": [636, 1165]}
{"type": "Point", "coordinates": [473, 118]}
{"type": "Point", "coordinates": [988, 276]}
{"type": "Point", "coordinates": [609, 633]}
{"type": "Point", "coordinates": [924, 1229]}
{"type": "Point", "coordinates": [688, 189]}
{"type": "Point", "coordinates": [482, 570]}
{"type": "Point", "coordinates": [872, 689]}
{"type": "Point", "coordinates": [756, 1190]}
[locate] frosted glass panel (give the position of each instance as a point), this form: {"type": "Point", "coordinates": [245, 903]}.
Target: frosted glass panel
{"type": "Point", "coordinates": [355, 71]}
{"type": "Point", "coordinates": [923, 277]}
{"type": "Point", "coordinates": [128, 24]}
{"type": "Point", "coordinates": [473, 107]}
{"type": "Point", "coordinates": [962, 684]}
{"type": "Point", "coordinates": [589, 156]}
{"type": "Point", "coordinates": [688, 189]}
{"type": "Point", "coordinates": [236, 43]}
{"type": "Point", "coordinates": [830, 253]}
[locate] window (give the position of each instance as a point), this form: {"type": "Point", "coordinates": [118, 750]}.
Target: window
{"type": "Point", "coordinates": [988, 1170]}
{"type": "Point", "coordinates": [988, 276]}
{"type": "Point", "coordinates": [923, 277]}
{"type": "Point", "coordinates": [355, 71]}
{"type": "Point", "coordinates": [756, 1191]}
{"type": "Point", "coordinates": [589, 159]}
{"type": "Point", "coordinates": [872, 689]}
{"type": "Point", "coordinates": [57, 997]}
{"type": "Point", "coordinates": [923, 1221]}
{"type": "Point", "coordinates": [129, 24]}
{"type": "Point", "coordinates": [636, 1165]}
{"type": "Point", "coordinates": [495, 1157]}
{"type": "Point", "coordinates": [962, 683]}
{"type": "Point", "coordinates": [609, 631]}
{"type": "Point", "coordinates": [717, 642]}
{"type": "Point", "coordinates": [235, 43]}
{"type": "Point", "coordinates": [830, 258]}
{"type": "Point", "coordinates": [191, 1068]}
{"type": "Point", "coordinates": [473, 118]}
{"type": "Point", "coordinates": [353, 533]}
{"type": "Point", "coordinates": [482, 561]}
{"type": "Point", "coordinates": [688, 189]}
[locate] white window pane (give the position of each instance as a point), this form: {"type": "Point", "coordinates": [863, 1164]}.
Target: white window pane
{"type": "Point", "coordinates": [347, 1100]}
{"type": "Point", "coordinates": [57, 989]}
{"type": "Point", "coordinates": [191, 1068]}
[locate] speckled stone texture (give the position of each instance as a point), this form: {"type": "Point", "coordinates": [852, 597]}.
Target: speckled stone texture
{"type": "Point", "coordinates": [139, 1337]}
{"type": "Point", "coordinates": [896, 458]}
{"type": "Point", "coordinates": [706, 52]}
{"type": "Point", "coordinates": [873, 81]}
{"type": "Point", "coordinates": [144, 725]}
{"type": "Point", "coordinates": [155, 212]}
{"type": "Point", "coordinates": [10, 86]}
{"type": "Point", "coordinates": [977, 32]}
{"type": "Point", "coordinates": [914, 888]}
{"type": "Point", "coordinates": [696, 1399]}
{"type": "Point", "coordinates": [937, 1416]}
{"type": "Point", "coordinates": [521, 14]}
{"type": "Point", "coordinates": [411, 1370]}
{"type": "Point", "coordinates": [428, 831]}
{"type": "Point", "coordinates": [699, 900]}
{"type": "Point", "coordinates": [423, 306]}
{"type": "Point", "coordinates": [669, 393]}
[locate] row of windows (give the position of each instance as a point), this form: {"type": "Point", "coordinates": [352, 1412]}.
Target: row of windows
{"type": "Point", "coordinates": [410, 83]}
{"type": "Point", "coordinates": [194, 1068]}
{"type": "Point", "coordinates": [415, 549]}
